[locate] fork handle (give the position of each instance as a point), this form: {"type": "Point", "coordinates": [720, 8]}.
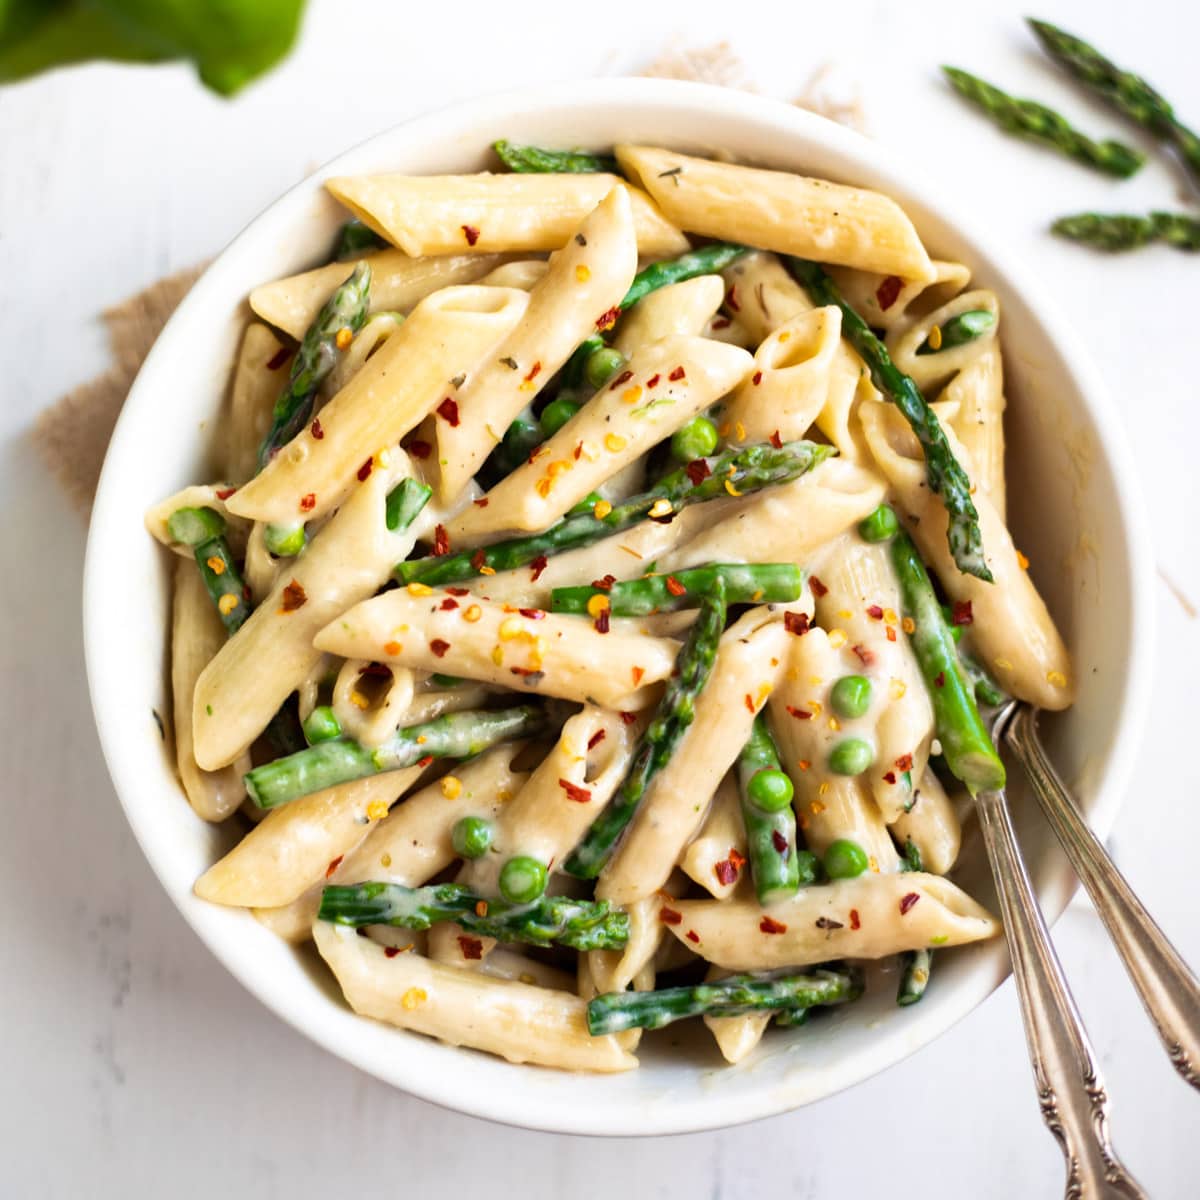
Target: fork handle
{"type": "Point", "coordinates": [1168, 989]}
{"type": "Point", "coordinates": [1070, 1089]}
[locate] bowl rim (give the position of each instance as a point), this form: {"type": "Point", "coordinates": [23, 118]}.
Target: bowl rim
{"type": "Point", "coordinates": [796, 125]}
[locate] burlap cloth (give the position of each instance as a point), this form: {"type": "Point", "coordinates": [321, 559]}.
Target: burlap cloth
{"type": "Point", "coordinates": [73, 434]}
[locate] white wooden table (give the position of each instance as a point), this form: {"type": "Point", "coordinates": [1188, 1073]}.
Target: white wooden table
{"type": "Point", "coordinates": [131, 1061]}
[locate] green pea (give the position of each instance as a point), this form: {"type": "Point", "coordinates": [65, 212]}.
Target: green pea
{"type": "Point", "coordinates": [602, 365]}
{"type": "Point", "coordinates": [471, 837]}
{"type": "Point", "coordinates": [851, 756]}
{"type": "Point", "coordinates": [284, 541]}
{"type": "Point", "coordinates": [522, 879]}
{"type": "Point", "coordinates": [321, 725]}
{"type": "Point", "coordinates": [880, 526]}
{"type": "Point", "coordinates": [845, 859]}
{"type": "Point", "coordinates": [851, 696]}
{"type": "Point", "coordinates": [556, 414]}
{"type": "Point", "coordinates": [696, 439]}
{"type": "Point", "coordinates": [770, 790]}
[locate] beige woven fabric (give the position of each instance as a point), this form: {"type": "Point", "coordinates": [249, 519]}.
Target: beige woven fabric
{"type": "Point", "coordinates": [73, 434]}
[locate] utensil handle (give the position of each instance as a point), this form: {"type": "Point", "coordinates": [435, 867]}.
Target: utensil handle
{"type": "Point", "coordinates": [1169, 991]}
{"type": "Point", "coordinates": [1070, 1089]}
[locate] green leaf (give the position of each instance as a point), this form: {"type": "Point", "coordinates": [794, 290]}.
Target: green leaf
{"type": "Point", "coordinates": [230, 42]}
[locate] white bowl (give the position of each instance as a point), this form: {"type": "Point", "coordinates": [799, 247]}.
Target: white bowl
{"type": "Point", "coordinates": [1075, 513]}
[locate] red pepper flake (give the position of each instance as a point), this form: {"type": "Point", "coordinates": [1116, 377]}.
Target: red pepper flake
{"type": "Point", "coordinates": [316, 430]}
{"type": "Point", "coordinates": [889, 777]}
{"type": "Point", "coordinates": [441, 541]}
{"type": "Point", "coordinates": [855, 921]}
{"type": "Point", "coordinates": [692, 936]}
{"type": "Point", "coordinates": [606, 320]}
{"type": "Point", "coordinates": [294, 597]}
{"type": "Point", "coordinates": [776, 440]}
{"type": "Point", "coordinates": [737, 858]}
{"type": "Point", "coordinates": [457, 591]}
{"type": "Point", "coordinates": [677, 374]}
{"type": "Point", "coordinates": [439, 647]}
{"type": "Point", "coordinates": [670, 916]}
{"type": "Point", "coordinates": [449, 604]}
{"type": "Point", "coordinates": [796, 622]}
{"type": "Point", "coordinates": [908, 900]}
{"type": "Point", "coordinates": [779, 842]}
{"type": "Point", "coordinates": [828, 923]}
{"type": "Point", "coordinates": [698, 471]}
{"type": "Point", "coordinates": [732, 300]}
{"type": "Point", "coordinates": [278, 358]}
{"type": "Point", "coordinates": [580, 795]}
{"type": "Point", "coordinates": [605, 584]}
{"type": "Point", "coordinates": [628, 718]}
{"type": "Point", "coordinates": [799, 713]}
{"type": "Point", "coordinates": [904, 762]}
{"type": "Point", "coordinates": [536, 567]}
{"type": "Point", "coordinates": [624, 377]}
{"type": "Point", "coordinates": [865, 656]}
{"type": "Point", "coordinates": [419, 449]}
{"type": "Point", "coordinates": [448, 411]}
{"type": "Point", "coordinates": [225, 493]}
{"type": "Point", "coordinates": [533, 373]}
{"type": "Point", "coordinates": [888, 290]}
{"type": "Point", "coordinates": [577, 453]}
{"type": "Point", "coordinates": [749, 702]}
{"type": "Point", "coordinates": [961, 613]}
{"type": "Point", "coordinates": [482, 502]}
{"type": "Point", "coordinates": [601, 622]}
{"type": "Point", "coordinates": [756, 378]}
{"type": "Point", "coordinates": [940, 679]}
{"type": "Point", "coordinates": [596, 739]}
{"type": "Point", "coordinates": [471, 947]}
{"type": "Point", "coordinates": [365, 470]}
{"type": "Point", "coordinates": [875, 612]}
{"type": "Point", "coordinates": [333, 866]}
{"type": "Point", "coordinates": [478, 560]}
{"type": "Point", "coordinates": [425, 762]}
{"type": "Point", "coordinates": [725, 872]}
{"type": "Point", "coordinates": [817, 588]}
{"type": "Point", "coordinates": [770, 925]}
{"type": "Point", "coordinates": [471, 234]}
{"type": "Point", "coordinates": [675, 587]}
{"type": "Point", "coordinates": [721, 323]}
{"type": "Point", "coordinates": [391, 951]}
{"type": "Point", "coordinates": [653, 381]}
{"type": "Point", "coordinates": [890, 633]}
{"type": "Point", "coordinates": [308, 502]}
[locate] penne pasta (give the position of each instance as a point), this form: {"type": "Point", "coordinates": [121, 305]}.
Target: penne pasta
{"type": "Point", "coordinates": [258, 378]}
{"type": "Point", "coordinates": [932, 825]}
{"type": "Point", "coordinates": [714, 858]}
{"type": "Point", "coordinates": [978, 390]}
{"type": "Point", "coordinates": [889, 302]}
{"type": "Point", "coordinates": [932, 370]}
{"type": "Point", "coordinates": [679, 309]}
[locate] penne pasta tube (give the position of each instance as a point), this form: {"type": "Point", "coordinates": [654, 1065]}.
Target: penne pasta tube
{"type": "Point", "coordinates": [196, 635]}
{"type": "Point", "coordinates": [674, 310]}
{"type": "Point", "coordinates": [615, 970]}
{"type": "Point", "coordinates": [714, 858]}
{"type": "Point", "coordinates": [889, 302]}
{"type": "Point", "coordinates": [789, 384]}
{"type": "Point", "coordinates": [517, 1021]}
{"type": "Point", "coordinates": [748, 661]}
{"type": "Point", "coordinates": [1010, 625]}
{"type": "Point", "coordinates": [461, 214]}
{"type": "Point", "coordinates": [931, 824]}
{"type": "Point", "coordinates": [665, 384]}
{"type": "Point", "coordinates": [586, 278]}
{"type": "Point", "coordinates": [525, 274]}
{"type": "Point", "coordinates": [978, 390]}
{"type": "Point", "coordinates": [763, 294]}
{"type": "Point", "coordinates": [780, 211]}
{"type": "Point", "coordinates": [258, 378]}
{"type": "Point", "coordinates": [366, 342]}
{"type": "Point", "coordinates": [535, 651]}
{"type": "Point", "coordinates": [201, 495]}
{"type": "Point", "coordinates": [398, 282]}
{"type": "Point", "coordinates": [867, 917]}
{"type": "Point", "coordinates": [446, 334]}
{"type": "Point", "coordinates": [932, 370]}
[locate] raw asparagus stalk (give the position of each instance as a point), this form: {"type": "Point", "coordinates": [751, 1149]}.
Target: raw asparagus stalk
{"type": "Point", "coordinates": [534, 160]}
{"type": "Point", "coordinates": [676, 711]}
{"type": "Point", "coordinates": [770, 834]}
{"type": "Point", "coordinates": [958, 331]}
{"type": "Point", "coordinates": [733, 996]}
{"type": "Point", "coordinates": [966, 744]}
{"type": "Point", "coordinates": [1127, 231]}
{"type": "Point", "coordinates": [345, 310]}
{"type": "Point", "coordinates": [1028, 118]}
{"type": "Point", "coordinates": [733, 473]}
{"type": "Point", "coordinates": [355, 239]}
{"type": "Point", "coordinates": [203, 529]}
{"type": "Point", "coordinates": [915, 968]}
{"type": "Point", "coordinates": [1125, 91]}
{"type": "Point", "coordinates": [944, 472]}
{"type": "Point", "coordinates": [758, 583]}
{"type": "Point", "coordinates": [339, 760]}
{"type": "Point", "coordinates": [580, 924]}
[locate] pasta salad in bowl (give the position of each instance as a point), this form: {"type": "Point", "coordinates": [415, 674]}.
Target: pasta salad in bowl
{"type": "Point", "coordinates": [580, 600]}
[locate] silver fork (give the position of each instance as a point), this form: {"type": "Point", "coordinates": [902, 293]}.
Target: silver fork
{"type": "Point", "coordinates": [1070, 1088]}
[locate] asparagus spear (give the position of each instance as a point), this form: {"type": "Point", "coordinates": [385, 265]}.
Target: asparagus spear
{"type": "Point", "coordinates": [944, 472]}
{"type": "Point", "coordinates": [676, 711]}
{"type": "Point", "coordinates": [770, 822]}
{"type": "Point", "coordinates": [915, 965]}
{"type": "Point", "coordinates": [580, 924]}
{"type": "Point", "coordinates": [733, 473]}
{"type": "Point", "coordinates": [1028, 118]}
{"type": "Point", "coordinates": [534, 160]}
{"type": "Point", "coordinates": [966, 744]}
{"type": "Point", "coordinates": [345, 310]}
{"type": "Point", "coordinates": [405, 502]}
{"type": "Point", "coordinates": [1127, 231]}
{"type": "Point", "coordinates": [355, 239]}
{"type": "Point", "coordinates": [1124, 90]}
{"type": "Point", "coordinates": [986, 689]}
{"type": "Point", "coordinates": [733, 996]}
{"type": "Point", "coordinates": [203, 529]}
{"type": "Point", "coordinates": [958, 331]}
{"type": "Point", "coordinates": [758, 583]}
{"type": "Point", "coordinates": [338, 760]}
